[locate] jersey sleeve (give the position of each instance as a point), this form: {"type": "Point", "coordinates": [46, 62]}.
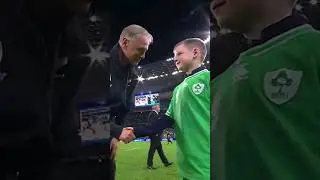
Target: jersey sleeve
{"type": "Point", "coordinates": [170, 109]}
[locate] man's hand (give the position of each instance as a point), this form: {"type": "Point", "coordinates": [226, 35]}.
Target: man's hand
{"type": "Point", "coordinates": [127, 135]}
{"type": "Point", "coordinates": [114, 148]}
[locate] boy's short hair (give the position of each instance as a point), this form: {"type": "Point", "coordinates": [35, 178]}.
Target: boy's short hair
{"type": "Point", "coordinates": [195, 43]}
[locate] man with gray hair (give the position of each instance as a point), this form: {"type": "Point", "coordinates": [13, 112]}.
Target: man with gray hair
{"type": "Point", "coordinates": [131, 48]}
{"type": "Point", "coordinates": [134, 42]}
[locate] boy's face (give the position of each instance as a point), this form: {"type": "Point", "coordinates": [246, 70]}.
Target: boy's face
{"type": "Point", "coordinates": [233, 14]}
{"type": "Point", "coordinates": [184, 57]}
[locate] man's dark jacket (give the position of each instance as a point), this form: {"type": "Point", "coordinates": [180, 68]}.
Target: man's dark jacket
{"type": "Point", "coordinates": [109, 83]}
{"type": "Point", "coordinates": [123, 81]}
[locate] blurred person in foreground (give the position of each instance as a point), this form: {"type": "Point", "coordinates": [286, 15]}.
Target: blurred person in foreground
{"type": "Point", "coordinates": [36, 36]}
{"type": "Point", "coordinates": [188, 112]}
{"type": "Point", "coordinates": [95, 159]}
{"type": "Point", "coordinates": [155, 142]}
{"type": "Point", "coordinates": [265, 106]}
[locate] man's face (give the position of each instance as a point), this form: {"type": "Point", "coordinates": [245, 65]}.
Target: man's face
{"type": "Point", "coordinates": [135, 49]}
{"type": "Point", "coordinates": [183, 57]}
{"type": "Point", "coordinates": [233, 14]}
{"type": "Point", "coordinates": [157, 108]}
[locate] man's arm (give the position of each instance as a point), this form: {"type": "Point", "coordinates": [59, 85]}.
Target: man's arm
{"type": "Point", "coordinates": [124, 134]}
{"type": "Point", "coordinates": [154, 127]}
{"type": "Point", "coordinates": [115, 130]}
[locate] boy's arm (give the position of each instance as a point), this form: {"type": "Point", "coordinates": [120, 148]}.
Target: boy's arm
{"type": "Point", "coordinates": [154, 127]}
{"type": "Point", "coordinates": [165, 121]}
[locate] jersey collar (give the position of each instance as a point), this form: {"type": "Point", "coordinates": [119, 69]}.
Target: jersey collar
{"type": "Point", "coordinates": [197, 70]}
{"type": "Point", "coordinates": [280, 27]}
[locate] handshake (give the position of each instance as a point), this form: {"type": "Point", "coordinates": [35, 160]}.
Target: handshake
{"type": "Point", "coordinates": [127, 135]}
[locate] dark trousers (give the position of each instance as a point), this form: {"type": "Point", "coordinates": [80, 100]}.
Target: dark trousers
{"type": "Point", "coordinates": [25, 164]}
{"type": "Point", "coordinates": [152, 150]}
{"type": "Point", "coordinates": [93, 169]}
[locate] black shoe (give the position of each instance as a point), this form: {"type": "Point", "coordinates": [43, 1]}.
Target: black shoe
{"type": "Point", "coordinates": [168, 164]}
{"type": "Point", "coordinates": [151, 167]}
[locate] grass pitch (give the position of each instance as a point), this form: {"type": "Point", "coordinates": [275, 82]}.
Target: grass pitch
{"type": "Point", "coordinates": [132, 162]}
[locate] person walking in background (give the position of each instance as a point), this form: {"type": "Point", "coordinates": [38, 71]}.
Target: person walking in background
{"type": "Point", "coordinates": [168, 137]}
{"type": "Point", "coordinates": [155, 145]}
{"type": "Point", "coordinates": [155, 142]}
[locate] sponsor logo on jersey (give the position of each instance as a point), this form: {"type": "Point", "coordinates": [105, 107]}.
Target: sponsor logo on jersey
{"type": "Point", "coordinates": [281, 85]}
{"type": "Point", "coordinates": [197, 88]}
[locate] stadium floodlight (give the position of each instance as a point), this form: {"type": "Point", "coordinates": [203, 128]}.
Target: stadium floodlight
{"type": "Point", "coordinates": [170, 59]}
{"type": "Point", "coordinates": [140, 78]}
{"type": "Point", "coordinates": [175, 72]}
{"type": "Point", "coordinates": [207, 40]}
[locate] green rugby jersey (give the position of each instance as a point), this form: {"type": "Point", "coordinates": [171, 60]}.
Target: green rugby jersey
{"type": "Point", "coordinates": [266, 111]}
{"type": "Point", "coordinates": [190, 109]}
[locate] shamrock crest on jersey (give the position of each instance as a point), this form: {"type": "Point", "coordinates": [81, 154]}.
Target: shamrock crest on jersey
{"type": "Point", "coordinates": [197, 88]}
{"type": "Point", "coordinates": [281, 85]}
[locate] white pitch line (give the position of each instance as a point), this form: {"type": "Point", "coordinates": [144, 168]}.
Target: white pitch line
{"type": "Point", "coordinates": [131, 149]}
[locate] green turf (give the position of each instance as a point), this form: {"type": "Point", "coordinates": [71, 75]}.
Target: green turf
{"type": "Point", "coordinates": [132, 158]}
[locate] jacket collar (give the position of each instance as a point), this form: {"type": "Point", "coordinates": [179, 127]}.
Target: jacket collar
{"type": "Point", "coordinates": [119, 56]}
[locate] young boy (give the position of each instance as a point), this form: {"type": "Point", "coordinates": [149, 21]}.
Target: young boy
{"type": "Point", "coordinates": [266, 105]}
{"type": "Point", "coordinates": [189, 112]}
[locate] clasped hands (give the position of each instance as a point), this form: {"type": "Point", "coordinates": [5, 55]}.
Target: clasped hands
{"type": "Point", "coordinates": [127, 135]}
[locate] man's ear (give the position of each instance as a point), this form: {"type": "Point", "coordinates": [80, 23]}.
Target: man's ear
{"type": "Point", "coordinates": [124, 42]}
